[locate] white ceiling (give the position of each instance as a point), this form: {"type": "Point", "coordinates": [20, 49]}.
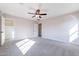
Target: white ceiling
{"type": "Point", "coordinates": [52, 9]}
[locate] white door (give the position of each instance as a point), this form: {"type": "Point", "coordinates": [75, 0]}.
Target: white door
{"type": "Point", "coordinates": [2, 30]}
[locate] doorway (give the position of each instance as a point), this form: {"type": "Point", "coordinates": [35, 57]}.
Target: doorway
{"type": "Point", "coordinates": [40, 30]}
{"type": "Point", "coordinates": [9, 29]}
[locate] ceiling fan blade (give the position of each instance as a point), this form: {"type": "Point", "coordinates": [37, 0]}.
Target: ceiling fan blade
{"type": "Point", "coordinates": [43, 14]}
{"type": "Point", "coordinates": [33, 16]}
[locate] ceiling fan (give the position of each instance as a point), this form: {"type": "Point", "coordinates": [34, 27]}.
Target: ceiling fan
{"type": "Point", "coordinates": [37, 14]}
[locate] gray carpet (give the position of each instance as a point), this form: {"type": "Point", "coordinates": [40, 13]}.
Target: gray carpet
{"type": "Point", "coordinates": [38, 47]}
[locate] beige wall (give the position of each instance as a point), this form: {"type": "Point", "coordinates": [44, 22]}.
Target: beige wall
{"type": "Point", "coordinates": [59, 28]}
{"type": "Point", "coordinates": [22, 28]}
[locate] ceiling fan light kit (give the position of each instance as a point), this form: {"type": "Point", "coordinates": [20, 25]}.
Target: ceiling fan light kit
{"type": "Point", "coordinates": [37, 14]}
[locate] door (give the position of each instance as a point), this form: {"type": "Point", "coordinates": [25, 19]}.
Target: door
{"type": "Point", "coordinates": [2, 30]}
{"type": "Point", "coordinates": [39, 30]}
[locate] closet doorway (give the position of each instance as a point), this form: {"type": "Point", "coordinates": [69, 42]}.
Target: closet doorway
{"type": "Point", "coordinates": [40, 30]}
